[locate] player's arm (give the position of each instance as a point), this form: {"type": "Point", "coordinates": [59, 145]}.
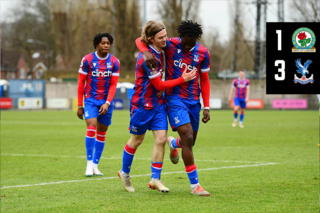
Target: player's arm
{"type": "Point", "coordinates": [83, 71]}
{"type": "Point", "coordinates": [247, 93]}
{"type": "Point", "coordinates": [205, 86]}
{"type": "Point", "coordinates": [149, 58]}
{"type": "Point", "coordinates": [230, 93]}
{"type": "Point", "coordinates": [205, 91]}
{"type": "Point", "coordinates": [81, 83]}
{"type": "Point", "coordinates": [112, 89]}
{"type": "Point", "coordinates": [163, 85]}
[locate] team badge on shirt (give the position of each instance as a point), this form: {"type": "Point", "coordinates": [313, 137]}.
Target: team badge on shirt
{"type": "Point", "coordinates": [196, 58]}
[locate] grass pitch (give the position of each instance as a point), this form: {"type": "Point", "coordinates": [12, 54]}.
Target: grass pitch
{"type": "Point", "coordinates": [269, 166]}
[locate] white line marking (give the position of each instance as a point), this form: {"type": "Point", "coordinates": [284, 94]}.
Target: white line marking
{"type": "Point", "coordinates": [107, 178]}
{"type": "Point", "coordinates": [69, 156]}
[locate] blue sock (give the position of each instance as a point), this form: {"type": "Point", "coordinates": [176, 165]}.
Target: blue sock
{"type": "Point", "coordinates": [175, 143]}
{"type": "Point", "coordinates": [192, 174]}
{"type": "Point", "coordinates": [98, 151]}
{"type": "Point", "coordinates": [128, 154]}
{"type": "Point", "coordinates": [241, 117]}
{"type": "Point", "coordinates": [235, 115]}
{"type": "Point", "coordinates": [90, 141]}
{"type": "Point", "coordinates": [156, 168]}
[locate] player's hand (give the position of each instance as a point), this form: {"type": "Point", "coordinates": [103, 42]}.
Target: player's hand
{"type": "Point", "coordinates": [150, 59]}
{"type": "Point", "coordinates": [159, 94]}
{"type": "Point", "coordinates": [80, 113]}
{"type": "Point", "coordinates": [206, 116]}
{"type": "Point", "coordinates": [247, 99]}
{"type": "Point", "coordinates": [229, 99]}
{"type": "Point", "coordinates": [103, 109]}
{"type": "Point", "coordinates": [188, 76]}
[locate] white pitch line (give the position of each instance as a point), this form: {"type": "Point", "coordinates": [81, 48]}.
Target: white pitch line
{"type": "Point", "coordinates": [69, 156]}
{"type": "Point", "coordinates": [107, 178]}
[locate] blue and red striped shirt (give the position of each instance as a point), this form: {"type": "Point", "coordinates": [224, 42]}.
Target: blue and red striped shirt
{"type": "Point", "coordinates": [198, 57]}
{"type": "Point", "coordinates": [241, 87]}
{"type": "Point", "coordinates": [145, 94]}
{"type": "Point", "coordinates": [98, 71]}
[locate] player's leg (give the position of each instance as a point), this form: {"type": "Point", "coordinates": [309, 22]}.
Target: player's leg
{"type": "Point", "coordinates": [186, 134]}
{"type": "Point", "coordinates": [241, 118]}
{"type": "Point", "coordinates": [160, 137]}
{"type": "Point", "coordinates": [103, 122]}
{"type": "Point", "coordinates": [90, 142]}
{"type": "Point", "coordinates": [99, 146]}
{"type": "Point", "coordinates": [235, 111]}
{"type": "Point", "coordinates": [128, 154]}
{"type": "Point", "coordinates": [139, 123]}
{"type": "Point", "coordinates": [242, 108]}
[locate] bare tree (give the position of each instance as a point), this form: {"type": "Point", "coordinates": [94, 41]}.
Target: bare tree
{"type": "Point", "coordinates": [305, 11]}
{"type": "Point", "coordinates": [172, 12]}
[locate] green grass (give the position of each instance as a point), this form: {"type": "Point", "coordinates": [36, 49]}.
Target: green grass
{"type": "Point", "coordinates": [287, 138]}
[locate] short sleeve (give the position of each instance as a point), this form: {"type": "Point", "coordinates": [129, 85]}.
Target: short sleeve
{"type": "Point", "coordinates": [152, 74]}
{"type": "Point", "coordinates": [234, 84]}
{"type": "Point", "coordinates": [116, 68]}
{"type": "Point", "coordinates": [247, 84]}
{"type": "Point", "coordinates": [84, 66]}
{"type": "Point", "coordinates": [205, 65]}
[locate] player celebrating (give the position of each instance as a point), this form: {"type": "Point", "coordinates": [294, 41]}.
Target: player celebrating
{"type": "Point", "coordinates": [147, 109]}
{"type": "Point", "coordinates": [101, 72]}
{"type": "Point", "coordinates": [242, 87]}
{"type": "Point", "coordinates": [183, 101]}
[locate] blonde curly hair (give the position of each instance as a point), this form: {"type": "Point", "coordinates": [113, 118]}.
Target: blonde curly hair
{"type": "Point", "coordinates": [150, 30]}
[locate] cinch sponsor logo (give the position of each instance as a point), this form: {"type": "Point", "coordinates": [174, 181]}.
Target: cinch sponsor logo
{"type": "Point", "coordinates": [98, 73]}
{"type": "Point", "coordinates": [183, 65]}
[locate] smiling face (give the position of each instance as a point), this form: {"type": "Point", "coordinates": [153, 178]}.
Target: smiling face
{"type": "Point", "coordinates": [159, 39]}
{"type": "Point", "coordinates": [103, 47]}
{"type": "Point", "coordinates": [187, 43]}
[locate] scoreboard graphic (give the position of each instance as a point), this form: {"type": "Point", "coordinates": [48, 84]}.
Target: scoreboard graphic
{"type": "Point", "coordinates": [293, 58]}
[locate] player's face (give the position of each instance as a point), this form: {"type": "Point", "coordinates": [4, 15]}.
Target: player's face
{"type": "Point", "coordinates": [187, 43]}
{"type": "Point", "coordinates": [241, 75]}
{"type": "Point", "coordinates": [159, 39]}
{"type": "Point", "coordinates": [104, 46]}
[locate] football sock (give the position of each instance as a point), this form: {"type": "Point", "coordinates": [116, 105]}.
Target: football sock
{"type": "Point", "coordinates": [156, 168]}
{"type": "Point", "coordinates": [192, 174]}
{"type": "Point", "coordinates": [100, 141]}
{"type": "Point", "coordinates": [128, 154]}
{"type": "Point", "coordinates": [235, 116]}
{"type": "Point", "coordinates": [175, 143]}
{"type": "Point", "coordinates": [90, 140]}
{"type": "Point", "coordinates": [241, 117]}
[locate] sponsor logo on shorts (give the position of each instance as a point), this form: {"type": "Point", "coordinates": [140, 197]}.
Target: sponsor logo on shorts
{"type": "Point", "coordinates": [176, 120]}
{"type": "Point", "coordinates": [134, 129]}
{"type": "Point", "coordinates": [86, 114]}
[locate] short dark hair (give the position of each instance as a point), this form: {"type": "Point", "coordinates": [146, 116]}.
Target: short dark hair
{"type": "Point", "coordinates": [97, 39]}
{"type": "Point", "coordinates": [189, 29]}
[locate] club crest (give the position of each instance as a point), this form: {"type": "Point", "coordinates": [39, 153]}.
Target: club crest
{"type": "Point", "coordinates": [303, 40]}
{"type": "Point", "coordinates": [109, 65]}
{"type": "Point", "coordinates": [303, 70]}
{"type": "Point", "coordinates": [196, 58]}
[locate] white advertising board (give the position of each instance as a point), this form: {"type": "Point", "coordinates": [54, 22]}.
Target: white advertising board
{"type": "Point", "coordinates": [215, 103]}
{"type": "Point", "coordinates": [58, 103]}
{"type": "Point", "coordinates": [30, 103]}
